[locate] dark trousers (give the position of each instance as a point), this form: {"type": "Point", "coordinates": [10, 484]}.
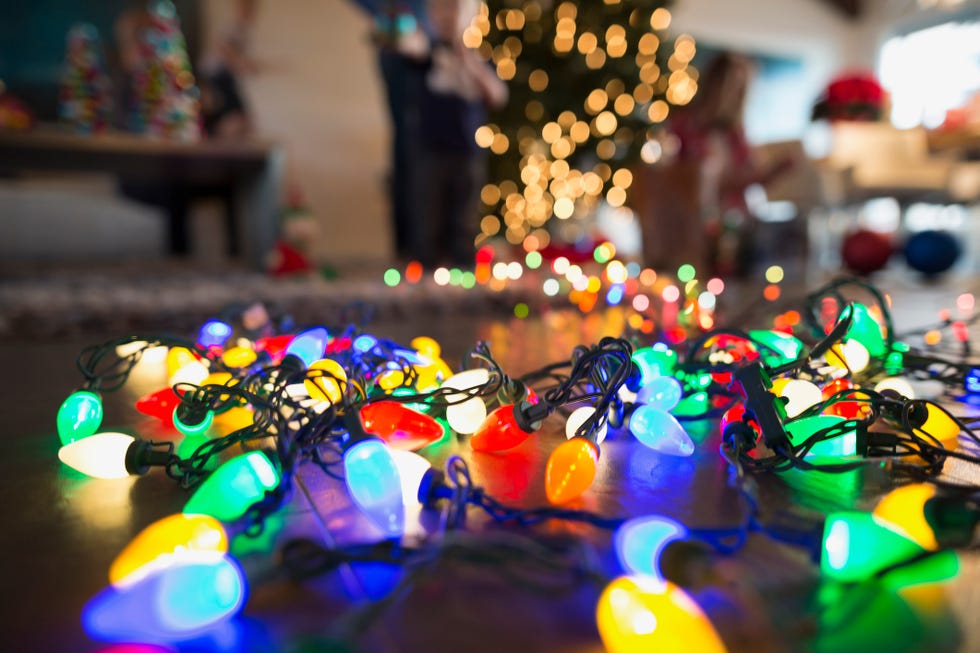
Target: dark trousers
{"type": "Point", "coordinates": [400, 84]}
{"type": "Point", "coordinates": [447, 212]}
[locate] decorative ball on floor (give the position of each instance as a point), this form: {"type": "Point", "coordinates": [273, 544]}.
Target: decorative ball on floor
{"type": "Point", "coordinates": [932, 252]}
{"type": "Point", "coordinates": [865, 251]}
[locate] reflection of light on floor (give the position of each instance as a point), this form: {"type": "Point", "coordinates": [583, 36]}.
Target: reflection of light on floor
{"type": "Point", "coordinates": [100, 504]}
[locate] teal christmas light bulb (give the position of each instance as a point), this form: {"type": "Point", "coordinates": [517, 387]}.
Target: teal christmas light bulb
{"type": "Point", "coordinates": [234, 487]}
{"type": "Point", "coordinates": [654, 361]}
{"type": "Point", "coordinates": [79, 416]}
{"type": "Point", "coordinates": [375, 485]}
{"type": "Point", "coordinates": [309, 345]}
{"type": "Point", "coordinates": [659, 430]}
{"type": "Point", "coordinates": [856, 545]}
{"type": "Point", "coordinates": [778, 348]}
{"type": "Point", "coordinates": [640, 541]}
{"type": "Point", "coordinates": [663, 392]}
{"type": "Point", "coordinates": [192, 427]}
{"type": "Point", "coordinates": [171, 604]}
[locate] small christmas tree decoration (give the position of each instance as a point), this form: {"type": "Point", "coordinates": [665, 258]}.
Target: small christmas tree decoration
{"type": "Point", "coordinates": [85, 97]}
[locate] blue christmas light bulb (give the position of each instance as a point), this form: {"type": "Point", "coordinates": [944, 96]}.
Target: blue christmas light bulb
{"type": "Point", "coordinates": [659, 430]}
{"type": "Point", "coordinates": [375, 485]}
{"type": "Point", "coordinates": [663, 392]}
{"type": "Point", "coordinates": [213, 333]}
{"type": "Point", "coordinates": [174, 603]}
{"type": "Point", "coordinates": [309, 345]}
{"type": "Point", "coordinates": [639, 543]}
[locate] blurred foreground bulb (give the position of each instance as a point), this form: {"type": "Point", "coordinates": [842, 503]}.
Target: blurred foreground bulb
{"type": "Point", "coordinates": [904, 507]}
{"type": "Point", "coordinates": [167, 542]}
{"type": "Point", "coordinates": [659, 430]}
{"type": "Point", "coordinates": [640, 541]}
{"type": "Point", "coordinates": [856, 545]}
{"type": "Point", "coordinates": [101, 456]}
{"type": "Point", "coordinates": [411, 468]}
{"type": "Point", "coordinates": [400, 426]}
{"type": "Point", "coordinates": [375, 485]}
{"type": "Point", "coordinates": [578, 417]}
{"type": "Point", "coordinates": [466, 416]}
{"type": "Point", "coordinates": [638, 614]}
{"type": "Point", "coordinates": [79, 416]}
{"type": "Point", "coordinates": [571, 469]}
{"type": "Point", "coordinates": [233, 487]}
{"type": "Point", "coordinates": [663, 392]}
{"type": "Point", "coordinates": [308, 346]}
{"type": "Point", "coordinates": [173, 603]}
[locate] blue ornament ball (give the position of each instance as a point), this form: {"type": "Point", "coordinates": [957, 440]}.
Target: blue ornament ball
{"type": "Point", "coordinates": [932, 252]}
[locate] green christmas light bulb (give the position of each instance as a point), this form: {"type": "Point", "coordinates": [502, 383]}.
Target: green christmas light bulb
{"type": "Point", "coordinates": [693, 405]}
{"type": "Point", "coordinates": [234, 487]}
{"type": "Point", "coordinates": [80, 416]}
{"type": "Point", "coordinates": [866, 330]}
{"type": "Point", "coordinates": [856, 545]}
{"type": "Point", "coordinates": [826, 451]}
{"type": "Point", "coordinates": [658, 360]}
{"type": "Point", "coordinates": [779, 348]}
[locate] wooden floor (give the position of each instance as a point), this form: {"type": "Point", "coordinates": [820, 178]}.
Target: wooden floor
{"type": "Point", "coordinates": [62, 531]}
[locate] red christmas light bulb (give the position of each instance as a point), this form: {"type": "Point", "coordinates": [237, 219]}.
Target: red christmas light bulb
{"type": "Point", "coordinates": [159, 404]}
{"type": "Point", "coordinates": [499, 431]}
{"type": "Point", "coordinates": [400, 426]}
{"type": "Point", "coordinates": [737, 414]}
{"type": "Point", "coordinates": [275, 346]}
{"type": "Point", "coordinates": [845, 409]}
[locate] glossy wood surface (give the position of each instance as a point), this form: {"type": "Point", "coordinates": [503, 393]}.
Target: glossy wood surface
{"type": "Point", "coordinates": [62, 531]}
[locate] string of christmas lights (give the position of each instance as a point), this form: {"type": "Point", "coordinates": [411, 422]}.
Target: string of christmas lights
{"type": "Point", "coordinates": [359, 407]}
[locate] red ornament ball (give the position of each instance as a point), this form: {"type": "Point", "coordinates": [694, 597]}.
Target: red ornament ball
{"type": "Point", "coordinates": [866, 251]}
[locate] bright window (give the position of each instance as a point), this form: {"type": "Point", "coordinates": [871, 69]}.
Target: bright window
{"type": "Point", "coordinates": [930, 71]}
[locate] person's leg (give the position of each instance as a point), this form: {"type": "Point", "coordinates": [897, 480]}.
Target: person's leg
{"type": "Point", "coordinates": [398, 83]}
{"type": "Point", "coordinates": [425, 177]}
{"type": "Point", "coordinates": [465, 174]}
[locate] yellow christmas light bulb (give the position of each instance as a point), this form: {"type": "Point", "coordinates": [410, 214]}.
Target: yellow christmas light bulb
{"type": "Point", "coordinates": [390, 380]}
{"type": "Point", "coordinates": [178, 357]}
{"type": "Point", "coordinates": [239, 357]}
{"type": "Point", "coordinates": [166, 542]}
{"type": "Point", "coordinates": [330, 386]}
{"type": "Point", "coordinates": [571, 470]}
{"type": "Point", "coordinates": [904, 507]}
{"type": "Point", "coordinates": [640, 614]}
{"type": "Point", "coordinates": [941, 426]}
{"type": "Point", "coordinates": [426, 346]}
{"type": "Point", "coordinates": [233, 419]}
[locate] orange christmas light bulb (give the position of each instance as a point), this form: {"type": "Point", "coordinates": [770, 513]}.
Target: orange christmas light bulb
{"type": "Point", "coordinates": [571, 470]}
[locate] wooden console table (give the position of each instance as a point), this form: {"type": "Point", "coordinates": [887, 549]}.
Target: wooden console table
{"type": "Point", "coordinates": [252, 170]}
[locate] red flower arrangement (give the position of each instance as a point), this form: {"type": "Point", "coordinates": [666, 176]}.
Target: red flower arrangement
{"type": "Point", "coordinates": [855, 96]}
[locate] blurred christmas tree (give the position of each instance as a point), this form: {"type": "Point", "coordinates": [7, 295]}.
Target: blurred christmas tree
{"type": "Point", "coordinates": [167, 100]}
{"type": "Point", "coordinates": [591, 82]}
{"type": "Point", "coordinates": [85, 98]}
